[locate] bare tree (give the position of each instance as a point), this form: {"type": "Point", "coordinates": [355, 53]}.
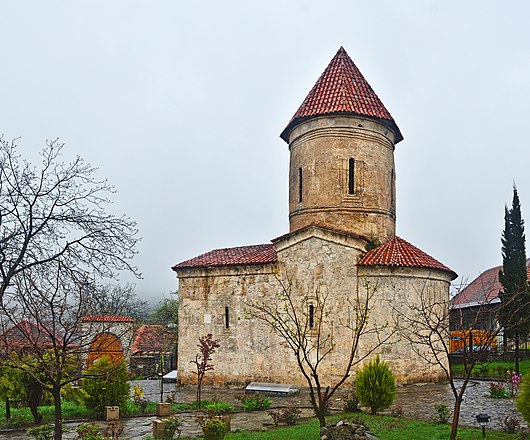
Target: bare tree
{"type": "Point", "coordinates": [207, 346]}
{"type": "Point", "coordinates": [55, 212]}
{"type": "Point", "coordinates": [115, 299]}
{"type": "Point", "coordinates": [304, 323]}
{"type": "Point", "coordinates": [42, 333]}
{"type": "Point", "coordinates": [425, 323]}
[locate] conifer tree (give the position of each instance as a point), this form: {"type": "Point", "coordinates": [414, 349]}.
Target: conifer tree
{"type": "Point", "coordinates": [515, 295]}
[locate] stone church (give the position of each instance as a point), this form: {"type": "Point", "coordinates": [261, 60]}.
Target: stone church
{"type": "Point", "coordinates": [342, 218]}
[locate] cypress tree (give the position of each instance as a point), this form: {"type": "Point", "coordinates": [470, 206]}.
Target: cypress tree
{"type": "Point", "coordinates": [515, 295]}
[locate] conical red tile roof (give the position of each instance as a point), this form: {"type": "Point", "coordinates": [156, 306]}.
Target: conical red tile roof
{"type": "Point", "coordinates": [400, 253]}
{"type": "Point", "coordinates": [342, 89]}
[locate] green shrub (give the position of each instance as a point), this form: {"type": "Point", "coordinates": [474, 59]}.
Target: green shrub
{"type": "Point", "coordinates": [16, 421]}
{"type": "Point", "coordinates": [88, 431]}
{"type": "Point", "coordinates": [484, 371]}
{"type": "Point", "coordinates": [351, 404]}
{"type": "Point", "coordinates": [254, 401]}
{"type": "Point", "coordinates": [523, 400]}
{"type": "Point", "coordinates": [442, 413]}
{"type": "Point", "coordinates": [172, 427]}
{"type": "Point", "coordinates": [106, 384]}
{"type": "Point", "coordinates": [497, 391]}
{"type": "Point", "coordinates": [44, 432]}
{"type": "Point", "coordinates": [214, 429]}
{"type": "Point", "coordinates": [218, 408]}
{"type": "Point", "coordinates": [289, 416]}
{"type": "Point", "coordinates": [375, 385]}
{"type": "Point", "coordinates": [202, 405]}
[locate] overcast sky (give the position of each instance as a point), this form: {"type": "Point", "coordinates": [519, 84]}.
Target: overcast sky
{"type": "Point", "coordinates": [180, 105]}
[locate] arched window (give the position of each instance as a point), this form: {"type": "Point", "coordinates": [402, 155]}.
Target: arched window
{"type": "Point", "coordinates": [227, 318]}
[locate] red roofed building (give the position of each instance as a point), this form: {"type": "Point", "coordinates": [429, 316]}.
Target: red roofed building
{"type": "Point", "coordinates": [481, 295]}
{"type": "Point", "coordinates": [26, 335]}
{"type": "Point", "coordinates": [107, 336]}
{"type": "Point", "coordinates": [342, 205]}
{"type": "Point", "coordinates": [153, 350]}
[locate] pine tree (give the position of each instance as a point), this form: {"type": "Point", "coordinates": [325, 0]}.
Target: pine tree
{"type": "Point", "coordinates": [515, 295]}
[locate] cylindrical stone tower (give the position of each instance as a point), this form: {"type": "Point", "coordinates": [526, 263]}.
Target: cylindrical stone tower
{"type": "Point", "coordinates": [341, 140]}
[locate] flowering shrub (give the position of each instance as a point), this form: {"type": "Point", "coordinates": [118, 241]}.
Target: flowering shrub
{"type": "Point", "coordinates": [514, 380]}
{"type": "Point", "coordinates": [497, 391]}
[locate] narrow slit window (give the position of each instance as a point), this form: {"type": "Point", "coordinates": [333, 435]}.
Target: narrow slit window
{"type": "Point", "coordinates": [311, 316]}
{"type": "Point", "coordinates": [351, 177]}
{"type": "Point", "coordinates": [227, 318]}
{"type": "Point", "coordinates": [392, 189]}
{"type": "Point", "coordinates": [299, 184]}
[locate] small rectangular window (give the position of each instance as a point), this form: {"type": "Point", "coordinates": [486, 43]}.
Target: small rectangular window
{"type": "Point", "coordinates": [392, 189]}
{"type": "Point", "coordinates": [299, 184]}
{"type": "Point", "coordinates": [351, 177]}
{"type": "Point", "coordinates": [311, 316]}
{"type": "Point", "coordinates": [227, 318]}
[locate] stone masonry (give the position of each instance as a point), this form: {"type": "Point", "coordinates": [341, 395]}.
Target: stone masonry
{"type": "Point", "coordinates": [341, 244]}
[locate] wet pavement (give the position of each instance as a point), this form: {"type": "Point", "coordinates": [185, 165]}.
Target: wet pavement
{"type": "Point", "coordinates": [417, 401]}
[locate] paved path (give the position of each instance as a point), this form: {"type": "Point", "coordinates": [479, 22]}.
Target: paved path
{"type": "Point", "coordinates": [417, 402]}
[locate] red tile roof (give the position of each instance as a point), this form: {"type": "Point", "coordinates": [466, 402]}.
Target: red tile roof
{"type": "Point", "coordinates": [244, 255]}
{"type": "Point", "coordinates": [150, 339]}
{"type": "Point", "coordinates": [342, 89]}
{"type": "Point", "coordinates": [107, 318]}
{"type": "Point", "coordinates": [27, 334]}
{"type": "Point", "coordinates": [400, 253]}
{"type": "Point", "coordinates": [485, 288]}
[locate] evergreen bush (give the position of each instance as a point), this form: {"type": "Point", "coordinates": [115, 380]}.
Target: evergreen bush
{"type": "Point", "coordinates": [106, 384]}
{"type": "Point", "coordinates": [375, 385]}
{"type": "Point", "coordinates": [214, 429]}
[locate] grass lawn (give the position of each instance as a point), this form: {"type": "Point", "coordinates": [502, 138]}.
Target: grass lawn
{"type": "Point", "coordinates": [22, 416]}
{"type": "Point", "coordinates": [492, 369]}
{"type": "Point", "coordinates": [384, 427]}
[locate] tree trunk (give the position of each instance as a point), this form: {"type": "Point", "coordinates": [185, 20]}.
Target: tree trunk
{"type": "Point", "coordinates": [199, 395]}
{"type": "Point", "coordinates": [58, 414]}
{"type": "Point", "coordinates": [456, 417]}
{"type": "Point", "coordinates": [319, 406]}
{"type": "Point", "coordinates": [34, 400]}
{"type": "Point", "coordinates": [8, 408]}
{"type": "Point", "coordinates": [321, 416]}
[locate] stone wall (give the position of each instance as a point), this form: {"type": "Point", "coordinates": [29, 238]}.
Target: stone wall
{"type": "Point", "coordinates": [246, 346]}
{"type": "Point", "coordinates": [399, 291]}
{"type": "Point", "coordinates": [313, 262]}
{"type": "Point", "coordinates": [322, 147]}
